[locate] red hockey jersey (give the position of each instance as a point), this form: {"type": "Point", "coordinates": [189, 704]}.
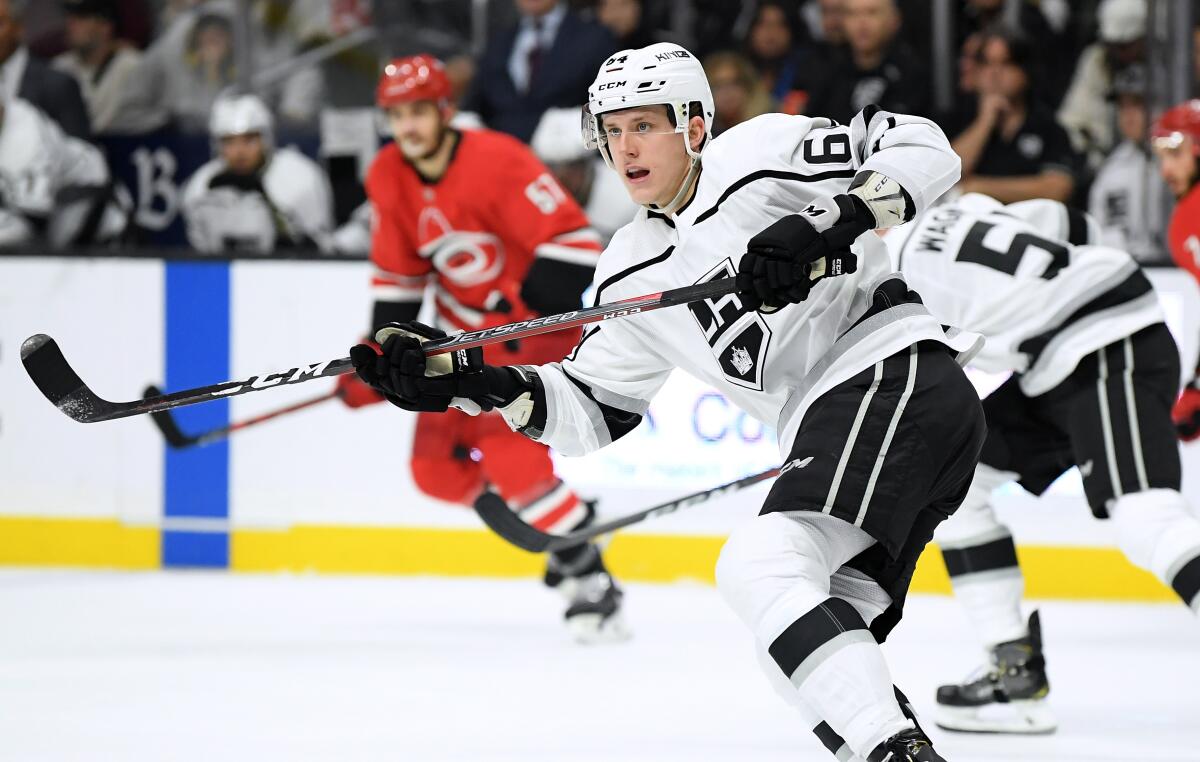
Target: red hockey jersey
{"type": "Point", "coordinates": [1183, 236]}
{"type": "Point", "coordinates": [474, 235]}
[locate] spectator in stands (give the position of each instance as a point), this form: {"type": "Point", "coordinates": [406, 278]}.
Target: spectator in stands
{"type": "Point", "coordinates": [582, 172]}
{"type": "Point", "coordinates": [1129, 198]}
{"type": "Point", "coordinates": [1026, 17]}
{"type": "Point", "coordinates": [24, 76]}
{"type": "Point", "coordinates": [624, 18]}
{"type": "Point", "coordinates": [823, 18]}
{"type": "Point", "coordinates": [738, 93]}
{"type": "Point", "coordinates": [875, 68]}
{"type": "Point", "coordinates": [775, 45]}
{"type": "Point", "coordinates": [1012, 149]}
{"type": "Point", "coordinates": [253, 196]}
{"type": "Point", "coordinates": [185, 70]}
{"type": "Point", "coordinates": [101, 63]}
{"type": "Point", "coordinates": [548, 59]}
{"type": "Point", "coordinates": [54, 188]}
{"type": "Point", "coordinates": [1087, 109]}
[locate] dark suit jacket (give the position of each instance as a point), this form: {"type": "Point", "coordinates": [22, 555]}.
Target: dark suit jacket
{"type": "Point", "coordinates": [56, 93]}
{"type": "Point", "coordinates": [562, 78]}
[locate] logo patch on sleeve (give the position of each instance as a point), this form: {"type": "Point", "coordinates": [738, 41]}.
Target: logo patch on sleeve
{"type": "Point", "coordinates": [739, 337]}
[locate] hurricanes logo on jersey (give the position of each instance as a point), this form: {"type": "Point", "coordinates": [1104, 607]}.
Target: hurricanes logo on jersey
{"type": "Point", "coordinates": [739, 336]}
{"type": "Point", "coordinates": [463, 257]}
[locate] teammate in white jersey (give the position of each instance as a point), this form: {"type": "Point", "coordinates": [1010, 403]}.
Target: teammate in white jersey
{"type": "Point", "coordinates": [253, 196]}
{"type": "Point", "coordinates": [878, 424]}
{"type": "Point", "coordinates": [1095, 373]}
{"type": "Point", "coordinates": [53, 187]}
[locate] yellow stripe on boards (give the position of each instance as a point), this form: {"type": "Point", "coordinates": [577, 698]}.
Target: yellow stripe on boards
{"type": "Point", "coordinates": [107, 543]}
{"type": "Point", "coordinates": [1050, 571]}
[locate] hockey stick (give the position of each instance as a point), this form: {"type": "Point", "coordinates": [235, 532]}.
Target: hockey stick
{"type": "Point", "coordinates": [175, 437]}
{"type": "Point", "coordinates": [505, 522]}
{"type": "Point", "coordinates": [53, 376]}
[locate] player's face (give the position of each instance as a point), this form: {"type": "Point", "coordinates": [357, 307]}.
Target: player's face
{"type": "Point", "coordinates": [243, 154]}
{"type": "Point", "coordinates": [1131, 118]}
{"type": "Point", "coordinates": [647, 153]}
{"type": "Point", "coordinates": [575, 176]}
{"type": "Point", "coordinates": [417, 128]}
{"type": "Point", "coordinates": [1177, 163]}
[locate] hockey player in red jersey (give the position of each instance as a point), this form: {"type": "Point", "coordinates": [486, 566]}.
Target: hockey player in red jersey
{"type": "Point", "coordinates": [475, 220]}
{"type": "Point", "coordinates": [1176, 138]}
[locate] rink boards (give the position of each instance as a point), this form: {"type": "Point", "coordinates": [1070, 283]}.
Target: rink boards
{"type": "Point", "coordinates": [328, 489]}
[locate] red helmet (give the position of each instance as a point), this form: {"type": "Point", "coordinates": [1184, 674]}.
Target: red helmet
{"type": "Point", "coordinates": [416, 78]}
{"type": "Point", "coordinates": [1178, 122]}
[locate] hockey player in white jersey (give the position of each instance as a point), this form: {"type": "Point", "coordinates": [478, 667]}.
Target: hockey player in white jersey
{"type": "Point", "coordinates": [878, 425]}
{"type": "Point", "coordinates": [1095, 373]}
{"type": "Point", "coordinates": [578, 169]}
{"type": "Point", "coordinates": [253, 196]}
{"type": "Point", "coordinates": [53, 187]}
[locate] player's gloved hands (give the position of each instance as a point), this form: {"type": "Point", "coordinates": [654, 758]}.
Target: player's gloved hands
{"type": "Point", "coordinates": [412, 381]}
{"type": "Point", "coordinates": [1186, 413]}
{"type": "Point", "coordinates": [783, 261]}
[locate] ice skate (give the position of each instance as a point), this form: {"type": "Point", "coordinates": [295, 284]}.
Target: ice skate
{"type": "Point", "coordinates": [909, 746]}
{"type": "Point", "coordinates": [1009, 697]}
{"type": "Point", "coordinates": [593, 612]}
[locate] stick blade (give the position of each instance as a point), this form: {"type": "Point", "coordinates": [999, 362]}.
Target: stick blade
{"type": "Point", "coordinates": [167, 425]}
{"type": "Point", "coordinates": [58, 382]}
{"type": "Point", "coordinates": [503, 521]}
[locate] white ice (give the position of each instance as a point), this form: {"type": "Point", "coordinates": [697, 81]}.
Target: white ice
{"type": "Point", "coordinates": [206, 666]}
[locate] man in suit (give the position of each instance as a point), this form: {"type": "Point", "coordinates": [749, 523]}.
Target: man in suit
{"type": "Point", "coordinates": [26, 77]}
{"type": "Point", "coordinates": [546, 60]}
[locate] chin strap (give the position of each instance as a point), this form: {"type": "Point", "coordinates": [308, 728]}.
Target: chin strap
{"type": "Point", "coordinates": [681, 194]}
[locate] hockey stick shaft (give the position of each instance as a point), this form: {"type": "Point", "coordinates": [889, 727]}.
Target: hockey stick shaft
{"type": "Point", "coordinates": [54, 377]}
{"type": "Point", "coordinates": [175, 437]}
{"type": "Point", "coordinates": [505, 522]}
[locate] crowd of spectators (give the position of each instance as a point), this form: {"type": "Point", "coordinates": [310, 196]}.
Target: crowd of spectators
{"type": "Point", "coordinates": [1049, 96]}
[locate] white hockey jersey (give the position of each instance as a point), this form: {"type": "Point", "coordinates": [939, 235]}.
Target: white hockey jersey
{"type": "Point", "coordinates": [1014, 274]}
{"type": "Point", "coordinates": [298, 204]}
{"type": "Point", "coordinates": [1129, 201]}
{"type": "Point", "coordinates": [773, 366]}
{"type": "Point", "coordinates": [40, 165]}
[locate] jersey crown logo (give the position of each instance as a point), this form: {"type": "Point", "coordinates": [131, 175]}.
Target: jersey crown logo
{"type": "Point", "coordinates": [741, 360]}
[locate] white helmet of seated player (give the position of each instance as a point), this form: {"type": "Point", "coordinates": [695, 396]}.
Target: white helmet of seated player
{"type": "Point", "coordinates": [236, 115]}
{"type": "Point", "coordinates": [663, 74]}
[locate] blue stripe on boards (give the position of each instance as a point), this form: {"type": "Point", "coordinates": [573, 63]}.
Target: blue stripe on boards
{"type": "Point", "coordinates": [196, 481]}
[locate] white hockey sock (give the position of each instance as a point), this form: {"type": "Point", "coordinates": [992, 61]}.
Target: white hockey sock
{"type": "Point", "coordinates": [1158, 533]}
{"type": "Point", "coordinates": [825, 734]}
{"type": "Point", "coordinates": [981, 560]}
{"type": "Point", "coordinates": [774, 572]}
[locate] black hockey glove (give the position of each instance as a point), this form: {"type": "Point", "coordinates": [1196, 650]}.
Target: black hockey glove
{"type": "Point", "coordinates": [412, 381]}
{"type": "Point", "coordinates": [782, 262]}
{"type": "Point", "coordinates": [408, 379]}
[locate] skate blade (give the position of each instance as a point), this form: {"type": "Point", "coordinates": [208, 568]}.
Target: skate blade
{"type": "Point", "coordinates": [1030, 717]}
{"type": "Point", "coordinates": [592, 629]}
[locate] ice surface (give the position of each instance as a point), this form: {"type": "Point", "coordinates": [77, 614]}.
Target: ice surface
{"type": "Point", "coordinates": [199, 666]}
